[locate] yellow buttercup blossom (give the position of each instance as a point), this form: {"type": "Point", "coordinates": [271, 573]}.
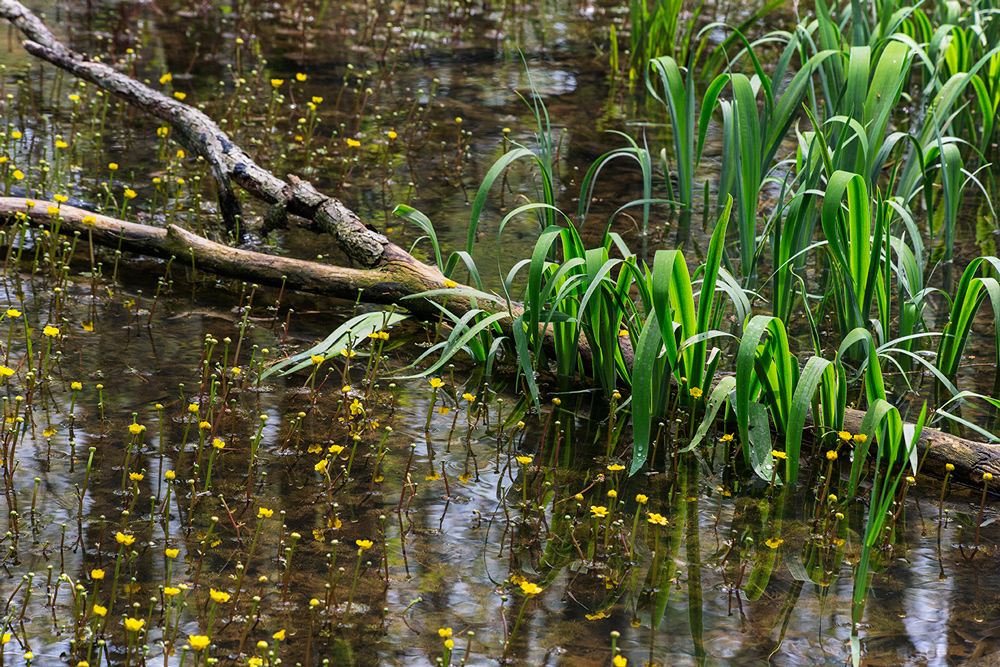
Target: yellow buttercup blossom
{"type": "Point", "coordinates": [198, 642]}
{"type": "Point", "coordinates": [100, 610]}
{"type": "Point", "coordinates": [219, 596]}
{"type": "Point", "coordinates": [524, 460]}
{"type": "Point", "coordinates": [615, 467]}
{"type": "Point", "coordinates": [641, 499]}
{"type": "Point", "coordinates": [656, 519]}
{"type": "Point", "coordinates": [50, 331]}
{"type": "Point", "coordinates": [363, 545]}
{"type": "Point", "coordinates": [124, 539]}
{"type": "Point", "coordinates": [778, 455]}
{"type": "Point", "coordinates": [172, 553]}
{"type": "Point", "coordinates": [279, 635]}
{"type": "Point", "coordinates": [844, 435]}
{"type": "Point", "coordinates": [134, 624]}
{"type": "Point", "coordinates": [831, 455]}
{"type": "Point", "coordinates": [97, 574]}
{"type": "Point", "coordinates": [276, 83]}
{"type": "Point", "coordinates": [695, 392]}
{"type": "Point", "coordinates": [264, 513]}
{"type": "Point", "coordinates": [774, 542]}
{"type": "Point", "coordinates": [444, 632]}
{"type": "Point", "coordinates": [218, 443]}
{"type": "Point", "coordinates": [436, 383]}
{"type": "Point", "coordinates": [530, 589]}
{"type": "Point", "coordinates": [598, 511]}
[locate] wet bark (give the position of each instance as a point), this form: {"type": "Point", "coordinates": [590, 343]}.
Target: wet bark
{"type": "Point", "coordinates": [390, 272]}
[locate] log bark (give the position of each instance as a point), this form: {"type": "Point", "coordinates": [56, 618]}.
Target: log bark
{"type": "Point", "coordinates": [390, 272]}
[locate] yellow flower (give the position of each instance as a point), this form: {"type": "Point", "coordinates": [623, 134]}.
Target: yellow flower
{"type": "Point", "coordinates": [437, 383]}
{"type": "Point", "coordinates": [449, 643]}
{"type": "Point", "coordinates": [179, 95]}
{"type": "Point", "coordinates": [656, 519]}
{"type": "Point", "coordinates": [832, 498]}
{"type": "Point", "coordinates": [353, 143]}
{"type": "Point", "coordinates": [458, 119]}
{"type": "Point", "coordinates": [76, 386]}
{"type": "Point", "coordinates": [99, 610]}
{"type": "Point", "coordinates": [530, 589]}
{"type": "Point", "coordinates": [97, 574]}
{"type": "Point", "coordinates": [166, 78]}
{"type": "Point", "coordinates": [774, 542]}
{"type": "Point", "coordinates": [13, 312]}
{"type": "Point", "coordinates": [264, 513]}
{"type": "Point", "coordinates": [695, 392]}
{"type": "Point", "coordinates": [276, 83]}
{"type": "Point", "coordinates": [831, 455]}
{"type": "Point", "coordinates": [335, 449]}
{"type": "Point", "coordinates": [620, 661]}
{"type": "Point", "coordinates": [949, 467]}
{"type": "Point", "coordinates": [641, 499]}
{"type": "Point", "coordinates": [860, 438]}
{"type": "Point", "coordinates": [317, 100]}
{"type": "Point", "coordinates": [444, 632]}
{"type": "Point", "coordinates": [779, 455]}
{"type": "Point", "coordinates": [987, 477]}
{"type": "Point", "coordinates": [218, 596]}
{"type": "Point", "coordinates": [321, 466]}
{"type": "Point", "coordinates": [204, 425]}
{"type": "Point", "coordinates": [279, 635]}
{"type": "Point", "coordinates": [192, 407]}
{"type": "Point", "coordinates": [198, 642]}
{"type": "Point", "coordinates": [172, 553]}
{"type": "Point", "coordinates": [134, 624]}
{"type": "Point", "coordinates": [317, 359]}
{"type": "Point", "coordinates": [524, 460]}
{"type": "Point", "coordinates": [598, 511]}
{"type": "Point", "coordinates": [6, 372]}
{"type": "Point", "coordinates": [136, 429]}
{"type": "Point", "coordinates": [363, 545]}
{"type": "Point", "coordinates": [300, 77]}
{"type": "Point", "coordinates": [15, 134]}
{"type": "Point", "coordinates": [130, 193]}
{"type": "Point", "coordinates": [612, 493]}
{"type": "Point", "coordinates": [50, 331]}
{"type": "Point", "coordinates": [18, 175]}
{"type": "Point", "coordinates": [469, 397]}
{"type": "Point", "coordinates": [62, 199]}
{"type": "Point", "coordinates": [315, 449]}
{"type": "Point", "coordinates": [124, 539]}
{"type": "Point", "coordinates": [52, 210]}
{"type": "Point", "coordinates": [89, 220]}
{"type": "Point", "coordinates": [218, 443]}
{"type": "Point", "coordinates": [392, 134]}
{"type": "Point", "coordinates": [844, 435]}
{"type": "Point", "coordinates": [615, 467]}
{"type": "Point", "coordinates": [113, 166]}
{"type": "Point", "coordinates": [87, 325]}
{"type": "Point", "coordinates": [450, 284]}
{"type": "Point", "coordinates": [170, 475]}
{"type": "Point", "coordinates": [136, 476]}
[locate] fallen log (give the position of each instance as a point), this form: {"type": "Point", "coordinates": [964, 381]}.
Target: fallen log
{"type": "Point", "coordinates": [390, 272]}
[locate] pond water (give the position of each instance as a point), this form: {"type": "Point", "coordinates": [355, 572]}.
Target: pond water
{"type": "Point", "coordinates": [345, 515]}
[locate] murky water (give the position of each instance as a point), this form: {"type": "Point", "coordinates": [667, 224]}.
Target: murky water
{"type": "Point", "coordinates": [456, 522]}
